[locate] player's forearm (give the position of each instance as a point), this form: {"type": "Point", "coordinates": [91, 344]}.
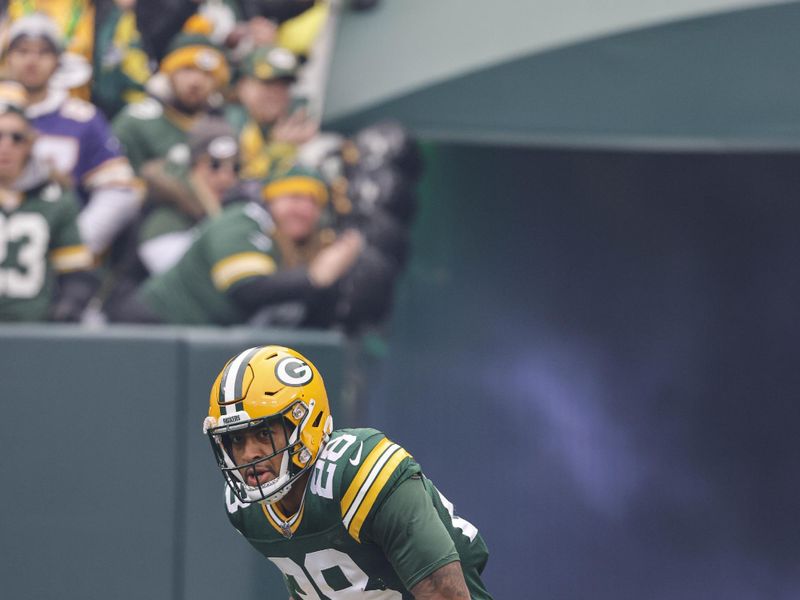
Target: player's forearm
{"type": "Point", "coordinates": [445, 583]}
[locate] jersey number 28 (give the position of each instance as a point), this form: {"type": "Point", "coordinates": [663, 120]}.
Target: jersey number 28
{"type": "Point", "coordinates": [322, 560]}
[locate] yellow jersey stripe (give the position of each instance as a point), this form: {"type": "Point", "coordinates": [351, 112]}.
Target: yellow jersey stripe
{"type": "Point", "coordinates": [362, 474]}
{"type": "Point", "coordinates": [71, 258]}
{"type": "Point", "coordinates": [245, 264]}
{"type": "Point", "coordinates": [277, 523]}
{"type": "Point", "coordinates": [354, 528]}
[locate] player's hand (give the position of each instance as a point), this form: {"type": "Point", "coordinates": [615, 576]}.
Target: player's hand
{"type": "Point", "coordinates": [296, 129]}
{"type": "Point", "coordinates": [332, 262]}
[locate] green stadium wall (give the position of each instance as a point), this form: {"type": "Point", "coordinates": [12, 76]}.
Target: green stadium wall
{"type": "Point", "coordinates": [111, 489]}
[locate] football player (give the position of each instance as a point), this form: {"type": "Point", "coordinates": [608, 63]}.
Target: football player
{"type": "Point", "coordinates": [342, 513]}
{"type": "Point", "coordinates": [45, 269]}
{"type": "Point", "coordinates": [74, 137]}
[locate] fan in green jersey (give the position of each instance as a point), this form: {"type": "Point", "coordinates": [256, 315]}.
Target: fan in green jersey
{"type": "Point", "coordinates": [193, 70]}
{"type": "Point", "coordinates": [44, 265]}
{"type": "Point", "coordinates": [253, 262]}
{"type": "Point", "coordinates": [180, 197]}
{"type": "Point", "coordinates": [342, 513]}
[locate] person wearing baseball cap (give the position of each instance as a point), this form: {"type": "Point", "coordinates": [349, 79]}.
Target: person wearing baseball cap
{"type": "Point", "coordinates": [47, 269]}
{"type": "Point", "coordinates": [272, 131]}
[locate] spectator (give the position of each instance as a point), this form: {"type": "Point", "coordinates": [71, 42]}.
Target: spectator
{"type": "Point", "coordinates": [84, 26]}
{"type": "Point", "coordinates": [121, 66]}
{"type": "Point", "coordinates": [192, 71]}
{"type": "Point", "coordinates": [272, 131]}
{"type": "Point", "coordinates": [243, 261]}
{"type": "Point", "coordinates": [257, 20]}
{"type": "Point", "coordinates": [182, 196]}
{"type": "Point", "coordinates": [44, 267]}
{"type": "Point", "coordinates": [74, 137]}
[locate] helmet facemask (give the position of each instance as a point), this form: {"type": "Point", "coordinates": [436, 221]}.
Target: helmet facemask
{"type": "Point", "coordinates": [295, 457]}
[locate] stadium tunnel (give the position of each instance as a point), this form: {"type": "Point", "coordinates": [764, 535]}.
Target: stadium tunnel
{"type": "Point", "coordinates": [599, 318]}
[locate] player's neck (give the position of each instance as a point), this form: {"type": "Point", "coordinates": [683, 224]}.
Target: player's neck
{"type": "Point", "coordinates": [290, 503]}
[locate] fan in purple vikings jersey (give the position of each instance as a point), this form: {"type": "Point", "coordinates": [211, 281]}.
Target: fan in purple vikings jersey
{"type": "Point", "coordinates": [74, 137]}
{"type": "Point", "coordinates": [45, 270]}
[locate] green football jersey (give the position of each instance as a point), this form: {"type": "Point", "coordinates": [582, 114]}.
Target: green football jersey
{"type": "Point", "coordinates": [230, 249]}
{"type": "Point", "coordinates": [39, 238]}
{"type": "Point", "coordinates": [166, 216]}
{"type": "Point", "coordinates": [148, 130]}
{"type": "Point", "coordinates": [162, 221]}
{"type": "Point", "coordinates": [370, 526]}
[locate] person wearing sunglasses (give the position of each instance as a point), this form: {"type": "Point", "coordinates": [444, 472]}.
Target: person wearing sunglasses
{"type": "Point", "coordinates": [74, 136]}
{"type": "Point", "coordinates": [45, 268]}
{"type": "Point", "coordinates": [181, 196]}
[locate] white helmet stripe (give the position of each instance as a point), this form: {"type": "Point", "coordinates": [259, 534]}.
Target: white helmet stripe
{"type": "Point", "coordinates": [231, 384]}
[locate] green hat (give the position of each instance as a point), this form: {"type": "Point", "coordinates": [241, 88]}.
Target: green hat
{"type": "Point", "coordinates": [297, 180]}
{"type": "Point", "coordinates": [268, 63]}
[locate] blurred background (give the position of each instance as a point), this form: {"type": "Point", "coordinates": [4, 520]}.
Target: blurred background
{"type": "Point", "coordinates": [590, 345]}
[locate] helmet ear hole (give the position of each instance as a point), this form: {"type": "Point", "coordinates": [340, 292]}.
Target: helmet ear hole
{"type": "Point", "coordinates": [315, 424]}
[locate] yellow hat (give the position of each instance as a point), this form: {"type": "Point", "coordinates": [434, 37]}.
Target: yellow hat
{"type": "Point", "coordinates": [193, 51]}
{"type": "Point", "coordinates": [296, 181]}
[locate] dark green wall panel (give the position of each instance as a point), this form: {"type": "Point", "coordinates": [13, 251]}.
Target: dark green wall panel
{"type": "Point", "coordinates": [88, 464]}
{"type": "Point", "coordinates": [111, 487]}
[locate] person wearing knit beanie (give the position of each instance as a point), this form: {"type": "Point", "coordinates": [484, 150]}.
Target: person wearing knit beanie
{"type": "Point", "coordinates": [190, 75]}
{"type": "Point", "coordinates": [194, 66]}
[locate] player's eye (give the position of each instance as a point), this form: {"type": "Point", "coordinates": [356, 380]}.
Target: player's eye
{"type": "Point", "coordinates": [237, 439]}
{"type": "Point", "coordinates": [264, 435]}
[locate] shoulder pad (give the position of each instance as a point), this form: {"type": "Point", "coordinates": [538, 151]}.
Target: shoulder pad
{"type": "Point", "coordinates": [78, 110]}
{"type": "Point", "coordinates": [146, 109]}
{"type": "Point", "coordinates": [367, 463]}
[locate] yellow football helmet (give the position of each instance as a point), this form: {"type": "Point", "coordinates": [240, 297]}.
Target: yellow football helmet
{"type": "Point", "coordinates": [259, 387]}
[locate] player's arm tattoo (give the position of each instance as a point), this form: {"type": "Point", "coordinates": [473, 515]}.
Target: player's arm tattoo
{"type": "Point", "coordinates": [445, 583]}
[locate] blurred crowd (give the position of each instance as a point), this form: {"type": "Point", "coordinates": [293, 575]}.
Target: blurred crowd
{"type": "Point", "coordinates": [162, 162]}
